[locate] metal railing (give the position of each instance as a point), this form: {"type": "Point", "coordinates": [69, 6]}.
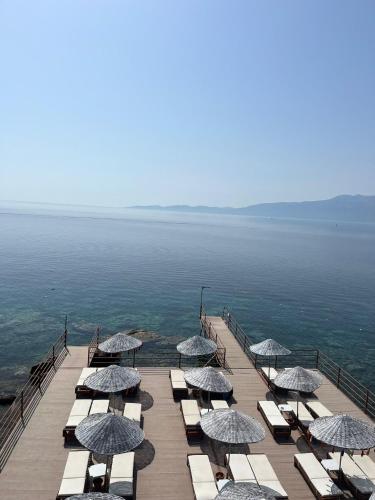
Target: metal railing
{"type": "Point", "coordinates": [211, 333]}
{"type": "Point", "coordinates": [14, 420]}
{"type": "Point", "coordinates": [308, 358]}
{"type": "Point", "coordinates": [142, 357]}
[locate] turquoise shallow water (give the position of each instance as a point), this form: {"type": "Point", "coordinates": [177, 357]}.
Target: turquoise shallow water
{"type": "Point", "coordinates": [301, 282]}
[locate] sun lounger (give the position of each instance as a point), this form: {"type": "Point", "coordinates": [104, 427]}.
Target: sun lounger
{"type": "Point", "coordinates": [265, 475]}
{"type": "Point", "coordinates": [304, 416]}
{"type": "Point", "coordinates": [179, 387]}
{"type": "Point", "coordinates": [81, 390]}
{"type": "Point", "coordinates": [133, 411]}
{"type": "Point", "coordinates": [356, 479]}
{"type": "Point", "coordinates": [274, 419]}
{"type": "Point", "coordinates": [79, 411]}
{"type": "Point", "coordinates": [219, 404]}
{"type": "Point", "coordinates": [316, 476]}
{"type": "Point", "coordinates": [74, 477]}
{"type": "Point", "coordinates": [191, 415]}
{"type": "Point", "coordinates": [122, 471]}
{"type": "Point", "coordinates": [239, 468]}
{"type": "Point", "coordinates": [366, 464]}
{"type": "Point", "coordinates": [317, 409]}
{"type": "Point", "coordinates": [202, 477]}
{"type": "Point", "coordinates": [269, 373]}
{"type": "Point", "coordinates": [99, 406]}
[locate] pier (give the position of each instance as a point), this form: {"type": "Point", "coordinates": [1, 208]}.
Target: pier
{"type": "Point", "coordinates": [35, 466]}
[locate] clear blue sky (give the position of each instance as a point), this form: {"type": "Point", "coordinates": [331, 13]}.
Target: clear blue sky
{"type": "Point", "coordinates": [197, 101]}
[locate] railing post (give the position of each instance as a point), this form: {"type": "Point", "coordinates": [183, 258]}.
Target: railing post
{"type": "Point", "coordinates": [40, 383]}
{"type": "Point", "coordinates": [22, 405]}
{"type": "Point", "coordinates": [179, 361]}
{"type": "Point", "coordinates": [338, 377]}
{"type": "Point", "coordinates": [225, 352]}
{"type": "Point", "coordinates": [366, 400]}
{"type": "Point", "coordinates": [317, 358]}
{"type": "Point", "coordinates": [53, 354]}
{"type": "Point", "coordinates": [65, 331]}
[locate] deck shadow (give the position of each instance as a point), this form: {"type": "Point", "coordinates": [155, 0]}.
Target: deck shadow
{"type": "Point", "coordinates": [144, 455]}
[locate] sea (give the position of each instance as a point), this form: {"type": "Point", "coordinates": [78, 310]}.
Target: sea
{"type": "Point", "coordinates": [305, 283]}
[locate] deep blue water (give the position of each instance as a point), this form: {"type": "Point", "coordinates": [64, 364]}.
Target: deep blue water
{"type": "Point", "coordinates": [301, 282]}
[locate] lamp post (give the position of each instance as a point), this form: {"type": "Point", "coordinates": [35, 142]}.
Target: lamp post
{"type": "Point", "coordinates": [201, 307]}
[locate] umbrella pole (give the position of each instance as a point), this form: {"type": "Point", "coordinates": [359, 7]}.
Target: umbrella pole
{"type": "Point", "coordinates": [269, 367]}
{"type": "Point", "coordinates": [230, 448]}
{"type": "Point", "coordinates": [297, 405]}
{"type": "Point", "coordinates": [133, 358]}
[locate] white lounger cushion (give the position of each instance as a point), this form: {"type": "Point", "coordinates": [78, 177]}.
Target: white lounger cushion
{"type": "Point", "coordinates": [74, 476]}
{"type": "Point", "coordinates": [218, 404]}
{"type": "Point", "coordinates": [190, 412]}
{"type": "Point", "coordinates": [304, 416]}
{"type": "Point", "coordinates": [74, 420]}
{"type": "Point", "coordinates": [200, 469]}
{"type": "Point", "coordinates": [273, 373]}
{"type": "Point", "coordinates": [133, 411]}
{"type": "Point", "coordinates": [317, 475]}
{"type": "Point", "coordinates": [84, 374]}
{"type": "Point", "coordinates": [366, 465]}
{"type": "Point", "coordinates": [81, 407]}
{"type": "Point", "coordinates": [177, 379]}
{"type": "Point", "coordinates": [353, 473]}
{"type": "Point", "coordinates": [99, 406]}
{"type": "Point", "coordinates": [122, 467]}
{"type": "Point", "coordinates": [264, 473]}
{"type": "Point", "coordinates": [273, 414]}
{"type": "Point", "coordinates": [240, 468]}
{"type": "Point", "coordinates": [205, 491]}
{"type": "Point", "coordinates": [318, 409]}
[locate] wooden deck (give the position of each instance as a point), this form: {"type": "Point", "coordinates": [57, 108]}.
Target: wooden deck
{"type": "Point", "coordinates": [35, 467]}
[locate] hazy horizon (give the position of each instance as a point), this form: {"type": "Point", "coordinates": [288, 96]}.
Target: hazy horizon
{"type": "Point", "coordinates": [141, 103]}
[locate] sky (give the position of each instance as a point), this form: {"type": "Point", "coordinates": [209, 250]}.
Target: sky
{"type": "Point", "coordinates": [118, 103]}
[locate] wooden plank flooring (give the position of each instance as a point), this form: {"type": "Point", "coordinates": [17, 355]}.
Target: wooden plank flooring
{"type": "Point", "coordinates": [35, 467]}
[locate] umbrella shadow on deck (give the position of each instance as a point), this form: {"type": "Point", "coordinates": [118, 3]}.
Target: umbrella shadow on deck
{"type": "Point", "coordinates": [144, 454]}
{"type": "Point", "coordinates": [142, 397]}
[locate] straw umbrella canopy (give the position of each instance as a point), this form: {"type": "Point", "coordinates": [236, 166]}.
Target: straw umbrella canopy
{"type": "Point", "coordinates": [269, 347]}
{"type": "Point", "coordinates": [95, 496]}
{"type": "Point", "coordinates": [372, 497]}
{"type": "Point", "coordinates": [120, 342]}
{"type": "Point", "coordinates": [298, 379]}
{"type": "Point", "coordinates": [245, 491]}
{"type": "Point", "coordinates": [197, 346]}
{"type": "Point", "coordinates": [232, 427]}
{"type": "Point", "coordinates": [113, 378]}
{"type": "Point", "coordinates": [208, 379]}
{"type": "Point", "coordinates": [343, 431]}
{"type": "Point", "coordinates": [109, 434]}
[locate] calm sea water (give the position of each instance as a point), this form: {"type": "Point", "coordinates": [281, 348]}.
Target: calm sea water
{"type": "Point", "coordinates": [300, 282]}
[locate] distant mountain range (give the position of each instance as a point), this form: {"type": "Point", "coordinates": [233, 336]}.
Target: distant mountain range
{"type": "Point", "coordinates": [341, 208]}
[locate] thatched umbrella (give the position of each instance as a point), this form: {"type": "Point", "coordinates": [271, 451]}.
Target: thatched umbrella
{"type": "Point", "coordinates": [343, 431]}
{"type": "Point", "coordinates": [109, 434]}
{"type": "Point", "coordinates": [121, 342]}
{"type": "Point", "coordinates": [95, 496]}
{"type": "Point", "coordinates": [208, 379]}
{"type": "Point", "coordinates": [246, 491]}
{"type": "Point", "coordinates": [232, 427]}
{"type": "Point", "coordinates": [112, 379]}
{"type": "Point", "coordinates": [269, 347]}
{"type": "Point", "coordinates": [197, 346]}
{"type": "Point", "coordinates": [372, 497]}
{"type": "Point", "coordinates": [298, 379]}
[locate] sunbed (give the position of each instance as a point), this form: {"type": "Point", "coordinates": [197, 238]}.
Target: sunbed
{"type": "Point", "coordinates": [79, 411]}
{"type": "Point", "coordinates": [74, 477]}
{"type": "Point", "coordinates": [317, 409]}
{"type": "Point", "coordinates": [219, 404]}
{"type": "Point", "coordinates": [202, 477]}
{"type": "Point", "coordinates": [356, 479]}
{"type": "Point", "coordinates": [366, 464]}
{"type": "Point", "coordinates": [316, 477]}
{"type": "Point", "coordinates": [122, 471]}
{"type": "Point", "coordinates": [133, 411]}
{"type": "Point", "coordinates": [99, 406]}
{"type": "Point", "coordinates": [239, 468]}
{"type": "Point", "coordinates": [269, 373]}
{"type": "Point", "coordinates": [265, 475]}
{"type": "Point", "coordinates": [191, 415]}
{"type": "Point", "coordinates": [274, 419]}
{"type": "Point", "coordinates": [179, 387]}
{"type": "Point", "coordinates": [81, 390]}
{"type": "Point", "coordinates": [304, 416]}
